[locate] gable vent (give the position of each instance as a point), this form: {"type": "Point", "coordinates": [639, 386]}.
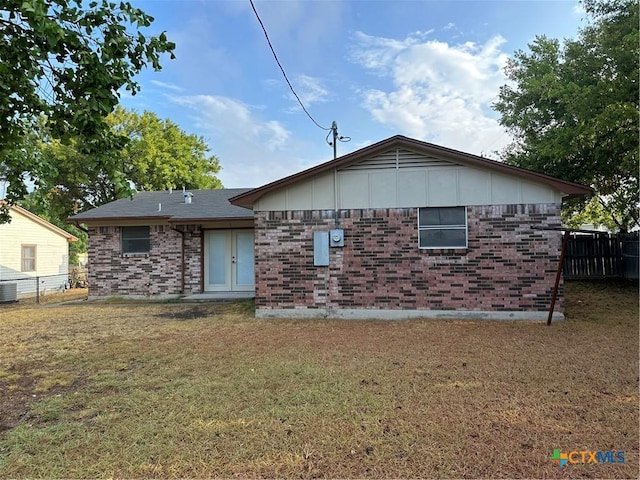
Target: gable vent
{"type": "Point", "coordinates": [384, 161]}
{"type": "Point", "coordinates": [409, 159]}
{"type": "Point", "coordinates": [398, 158]}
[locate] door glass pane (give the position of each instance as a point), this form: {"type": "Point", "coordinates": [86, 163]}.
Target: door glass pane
{"type": "Point", "coordinates": [244, 258]}
{"type": "Point", "coordinates": [217, 258]}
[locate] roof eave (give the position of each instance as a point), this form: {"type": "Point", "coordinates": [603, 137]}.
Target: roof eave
{"type": "Point", "coordinates": [578, 194]}
{"type": "Point", "coordinates": [77, 221]}
{"type": "Point", "coordinates": [42, 222]}
{"type": "Point", "coordinates": [167, 218]}
{"type": "Point", "coordinates": [248, 199]}
{"type": "Point", "coordinates": [207, 219]}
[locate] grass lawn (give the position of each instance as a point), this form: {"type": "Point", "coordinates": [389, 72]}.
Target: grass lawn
{"type": "Point", "coordinates": [205, 390]}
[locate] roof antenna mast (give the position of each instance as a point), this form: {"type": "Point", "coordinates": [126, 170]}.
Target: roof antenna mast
{"type": "Point", "coordinates": [333, 131]}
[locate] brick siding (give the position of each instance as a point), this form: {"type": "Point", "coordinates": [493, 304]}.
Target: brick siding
{"type": "Point", "coordinates": [508, 265]}
{"type": "Point", "coordinates": [155, 273]}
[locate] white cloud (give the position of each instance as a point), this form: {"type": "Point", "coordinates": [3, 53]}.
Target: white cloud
{"type": "Point", "coordinates": [167, 86]}
{"type": "Point", "coordinates": [231, 118]}
{"type": "Point", "coordinates": [440, 92]}
{"type": "Point", "coordinates": [449, 26]}
{"type": "Point", "coordinates": [252, 150]}
{"type": "Point", "coordinates": [378, 53]}
{"type": "Point", "coordinates": [310, 90]}
{"type": "Point", "coordinates": [578, 9]}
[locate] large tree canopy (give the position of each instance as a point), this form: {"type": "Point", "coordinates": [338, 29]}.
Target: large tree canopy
{"type": "Point", "coordinates": [573, 109]}
{"type": "Point", "coordinates": [158, 155]}
{"type": "Point", "coordinates": [66, 60]}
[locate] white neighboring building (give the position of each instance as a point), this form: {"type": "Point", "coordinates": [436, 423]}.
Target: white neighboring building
{"type": "Point", "coordinates": [31, 247]}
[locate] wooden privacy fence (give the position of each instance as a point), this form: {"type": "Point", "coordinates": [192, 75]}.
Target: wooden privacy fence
{"type": "Point", "coordinates": [601, 255]}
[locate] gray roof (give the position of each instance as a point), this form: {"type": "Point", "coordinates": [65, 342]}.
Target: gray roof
{"type": "Point", "coordinates": [205, 205]}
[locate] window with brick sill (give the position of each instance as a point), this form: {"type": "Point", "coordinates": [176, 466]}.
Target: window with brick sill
{"type": "Point", "coordinates": [135, 240]}
{"type": "Point", "coordinates": [442, 228]}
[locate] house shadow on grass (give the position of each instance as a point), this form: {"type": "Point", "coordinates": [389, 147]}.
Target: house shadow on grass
{"type": "Point", "coordinates": [244, 307]}
{"type": "Point", "coordinates": [192, 313]}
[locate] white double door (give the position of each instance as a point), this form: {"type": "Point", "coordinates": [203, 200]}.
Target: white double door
{"type": "Point", "coordinates": [228, 260]}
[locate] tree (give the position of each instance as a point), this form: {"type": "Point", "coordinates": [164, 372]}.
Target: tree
{"type": "Point", "coordinates": [66, 60]}
{"type": "Point", "coordinates": [573, 109]}
{"type": "Point", "coordinates": [593, 213]}
{"type": "Point", "coordinates": [158, 155]}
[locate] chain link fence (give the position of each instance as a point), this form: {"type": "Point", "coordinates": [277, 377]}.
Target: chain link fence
{"type": "Point", "coordinates": [18, 287]}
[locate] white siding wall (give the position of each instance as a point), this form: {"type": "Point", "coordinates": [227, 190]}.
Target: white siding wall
{"type": "Point", "coordinates": [52, 253]}
{"type": "Point", "coordinates": [314, 194]}
{"type": "Point", "coordinates": [402, 179]}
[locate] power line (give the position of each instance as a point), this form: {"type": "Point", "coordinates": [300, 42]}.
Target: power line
{"type": "Point", "coordinates": [496, 139]}
{"type": "Point", "coordinates": [282, 69]}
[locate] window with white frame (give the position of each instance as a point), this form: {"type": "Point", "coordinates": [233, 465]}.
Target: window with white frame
{"type": "Point", "coordinates": [135, 239]}
{"type": "Point", "coordinates": [442, 227]}
{"type": "Point", "coordinates": [28, 258]}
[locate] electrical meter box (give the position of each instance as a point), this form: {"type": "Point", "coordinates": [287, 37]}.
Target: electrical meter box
{"type": "Point", "coordinates": [336, 238]}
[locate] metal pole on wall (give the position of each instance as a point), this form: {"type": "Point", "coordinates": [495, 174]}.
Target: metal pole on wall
{"type": "Point", "coordinates": [565, 240]}
{"type": "Point", "coordinates": [37, 289]}
{"type": "Point", "coordinates": [334, 130]}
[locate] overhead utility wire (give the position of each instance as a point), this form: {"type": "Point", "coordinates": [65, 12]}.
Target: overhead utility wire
{"type": "Point", "coordinates": [493, 142]}
{"type": "Point", "coordinates": [282, 69]}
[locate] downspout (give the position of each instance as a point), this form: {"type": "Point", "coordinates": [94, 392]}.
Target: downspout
{"type": "Point", "coordinates": [182, 267]}
{"type": "Point", "coordinates": [201, 260]}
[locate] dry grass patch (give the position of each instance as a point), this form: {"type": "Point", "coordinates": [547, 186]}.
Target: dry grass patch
{"type": "Point", "coordinates": [50, 298]}
{"type": "Point", "coordinates": [172, 390]}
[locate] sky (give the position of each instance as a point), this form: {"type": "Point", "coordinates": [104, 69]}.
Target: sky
{"type": "Point", "coordinates": [425, 69]}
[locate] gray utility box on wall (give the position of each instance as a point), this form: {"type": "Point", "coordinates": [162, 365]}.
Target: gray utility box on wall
{"type": "Point", "coordinates": [336, 238]}
{"type": "Point", "coordinates": [320, 249]}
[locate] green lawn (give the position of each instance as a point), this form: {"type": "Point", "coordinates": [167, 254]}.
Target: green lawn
{"type": "Point", "coordinates": [177, 390]}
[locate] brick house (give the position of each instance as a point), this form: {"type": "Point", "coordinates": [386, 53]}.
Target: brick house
{"type": "Point", "coordinates": [170, 243]}
{"type": "Point", "coordinates": [401, 228]}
